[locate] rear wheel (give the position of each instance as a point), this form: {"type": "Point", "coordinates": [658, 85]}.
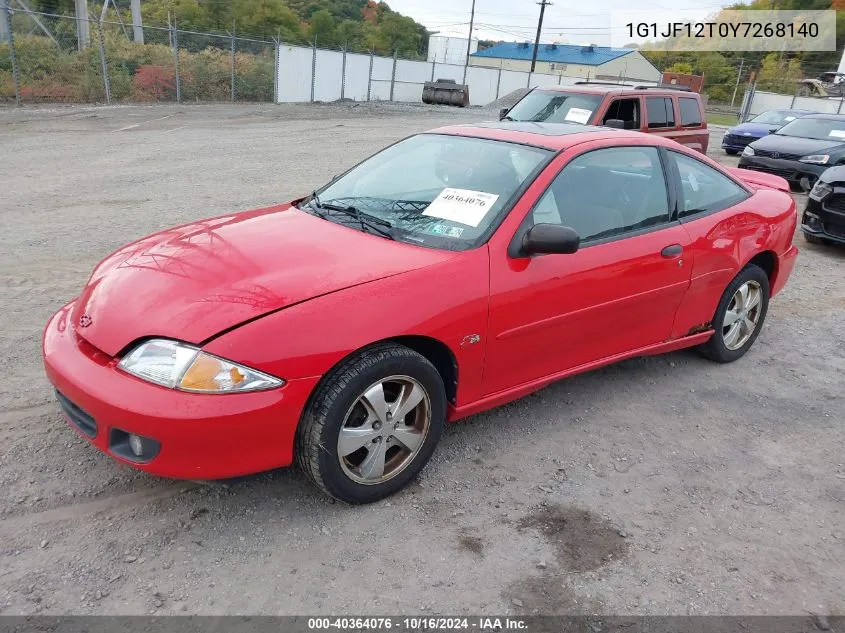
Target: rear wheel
{"type": "Point", "coordinates": [372, 424]}
{"type": "Point", "coordinates": [739, 316]}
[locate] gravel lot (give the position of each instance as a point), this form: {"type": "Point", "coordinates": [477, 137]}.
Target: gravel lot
{"type": "Point", "coordinates": [665, 485]}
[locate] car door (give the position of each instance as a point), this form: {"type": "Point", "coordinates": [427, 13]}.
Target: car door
{"type": "Point", "coordinates": [619, 292]}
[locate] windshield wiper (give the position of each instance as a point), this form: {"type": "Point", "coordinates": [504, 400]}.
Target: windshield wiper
{"type": "Point", "coordinates": [368, 222]}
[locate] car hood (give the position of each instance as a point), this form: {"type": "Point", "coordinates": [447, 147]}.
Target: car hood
{"type": "Point", "coordinates": [796, 145]}
{"type": "Point", "coordinates": [752, 129]}
{"type": "Point", "coordinates": [194, 281]}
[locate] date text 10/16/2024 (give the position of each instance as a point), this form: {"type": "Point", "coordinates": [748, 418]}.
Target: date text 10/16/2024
{"type": "Point", "coordinates": [483, 624]}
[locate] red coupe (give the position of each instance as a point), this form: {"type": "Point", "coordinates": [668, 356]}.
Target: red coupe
{"type": "Point", "coordinates": [452, 272]}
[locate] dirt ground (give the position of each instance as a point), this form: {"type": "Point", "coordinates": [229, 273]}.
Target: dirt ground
{"type": "Point", "coordinates": [664, 485]}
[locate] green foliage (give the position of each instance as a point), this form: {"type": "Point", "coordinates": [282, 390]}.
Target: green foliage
{"type": "Point", "coordinates": [778, 74]}
{"type": "Point", "coordinates": [680, 67]}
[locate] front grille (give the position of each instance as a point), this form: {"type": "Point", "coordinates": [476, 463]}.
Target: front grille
{"type": "Point", "coordinates": [789, 174]}
{"type": "Point", "coordinates": [77, 417]}
{"type": "Point", "coordinates": [835, 202]}
{"type": "Point", "coordinates": [772, 154]}
{"type": "Point", "coordinates": [732, 139]}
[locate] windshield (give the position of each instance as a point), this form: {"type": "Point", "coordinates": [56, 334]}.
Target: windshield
{"type": "Point", "coordinates": [434, 190]}
{"type": "Point", "coordinates": [821, 129]}
{"type": "Point", "coordinates": [775, 117]}
{"type": "Point", "coordinates": [555, 107]}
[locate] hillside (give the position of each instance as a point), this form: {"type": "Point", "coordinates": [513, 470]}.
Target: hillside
{"type": "Point", "coordinates": [359, 25]}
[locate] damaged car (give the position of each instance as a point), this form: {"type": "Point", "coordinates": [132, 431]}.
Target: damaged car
{"type": "Point", "coordinates": [450, 273]}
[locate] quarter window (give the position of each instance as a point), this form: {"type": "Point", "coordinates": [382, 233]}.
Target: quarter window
{"type": "Point", "coordinates": [607, 192]}
{"type": "Point", "coordinates": [703, 188]}
{"type": "Point", "coordinates": [690, 112]}
{"type": "Point", "coordinates": [661, 112]}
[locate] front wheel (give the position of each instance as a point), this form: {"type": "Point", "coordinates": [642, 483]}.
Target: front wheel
{"type": "Point", "coordinates": [739, 316]}
{"type": "Point", "coordinates": [372, 424]}
{"type": "Point", "coordinates": [731, 152]}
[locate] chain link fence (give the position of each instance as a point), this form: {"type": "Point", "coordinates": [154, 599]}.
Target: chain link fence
{"type": "Point", "coordinates": [61, 59]}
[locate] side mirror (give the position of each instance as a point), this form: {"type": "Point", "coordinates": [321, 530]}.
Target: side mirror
{"type": "Point", "coordinates": [617, 123]}
{"type": "Point", "coordinates": [550, 239]}
{"type": "Point", "coordinates": [503, 113]}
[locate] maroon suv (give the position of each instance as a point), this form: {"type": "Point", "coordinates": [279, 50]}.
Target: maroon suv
{"type": "Point", "coordinates": [666, 111]}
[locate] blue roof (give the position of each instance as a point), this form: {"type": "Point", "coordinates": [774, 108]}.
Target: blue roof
{"type": "Point", "coordinates": [558, 53]}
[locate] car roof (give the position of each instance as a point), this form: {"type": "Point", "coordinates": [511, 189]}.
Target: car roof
{"type": "Point", "coordinates": [614, 89]}
{"type": "Point", "coordinates": [553, 136]}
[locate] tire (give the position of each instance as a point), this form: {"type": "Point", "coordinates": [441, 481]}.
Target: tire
{"type": "Point", "coordinates": [731, 152]}
{"type": "Point", "coordinates": [339, 412]}
{"type": "Point", "coordinates": [722, 347]}
{"type": "Point", "coordinates": [814, 239]}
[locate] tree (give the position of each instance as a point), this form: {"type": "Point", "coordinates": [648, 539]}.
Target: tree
{"type": "Point", "coordinates": [323, 29]}
{"type": "Point", "coordinates": [267, 19]}
{"type": "Point", "coordinates": [680, 67]}
{"type": "Point", "coordinates": [779, 74]}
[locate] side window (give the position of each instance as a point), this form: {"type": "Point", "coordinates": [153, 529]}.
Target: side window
{"type": "Point", "coordinates": [661, 112]}
{"type": "Point", "coordinates": [703, 188]}
{"type": "Point", "coordinates": [690, 112]}
{"type": "Point", "coordinates": [607, 192]}
{"type": "Point", "coordinates": [627, 110]}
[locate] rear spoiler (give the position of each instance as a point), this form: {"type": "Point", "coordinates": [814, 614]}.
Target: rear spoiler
{"type": "Point", "coordinates": [759, 180]}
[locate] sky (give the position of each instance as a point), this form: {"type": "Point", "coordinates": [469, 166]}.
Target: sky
{"type": "Point", "coordinates": [566, 21]}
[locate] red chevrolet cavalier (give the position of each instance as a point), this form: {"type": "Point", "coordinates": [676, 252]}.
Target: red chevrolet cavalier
{"type": "Point", "coordinates": [452, 272]}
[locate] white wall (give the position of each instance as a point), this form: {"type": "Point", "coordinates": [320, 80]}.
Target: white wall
{"type": "Point", "coordinates": [763, 101]}
{"type": "Point", "coordinates": [374, 76]}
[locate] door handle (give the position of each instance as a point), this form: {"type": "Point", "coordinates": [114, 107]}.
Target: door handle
{"type": "Point", "coordinates": [673, 250]}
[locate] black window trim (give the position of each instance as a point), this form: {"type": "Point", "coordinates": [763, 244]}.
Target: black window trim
{"type": "Point", "coordinates": [666, 126]}
{"type": "Point", "coordinates": [698, 107]}
{"type": "Point", "coordinates": [515, 245]}
{"type": "Point", "coordinates": [679, 193]}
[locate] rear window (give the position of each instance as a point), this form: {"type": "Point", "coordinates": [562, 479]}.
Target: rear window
{"type": "Point", "coordinates": [660, 112]}
{"type": "Point", "coordinates": [555, 107]}
{"type": "Point", "coordinates": [690, 112]}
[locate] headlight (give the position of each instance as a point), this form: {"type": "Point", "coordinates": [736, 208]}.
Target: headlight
{"type": "Point", "coordinates": [815, 159]}
{"type": "Point", "coordinates": [184, 367]}
{"type": "Point", "coordinates": [748, 151]}
{"type": "Point", "coordinates": [820, 190]}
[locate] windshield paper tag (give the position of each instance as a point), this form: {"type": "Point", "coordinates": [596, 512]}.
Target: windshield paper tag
{"type": "Point", "coordinates": [837, 133]}
{"type": "Point", "coordinates": [461, 205]}
{"type": "Point", "coordinates": [579, 115]}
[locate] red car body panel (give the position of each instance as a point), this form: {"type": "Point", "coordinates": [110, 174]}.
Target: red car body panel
{"type": "Point", "coordinates": [191, 282]}
{"type": "Point", "coordinates": [202, 436]}
{"type": "Point", "coordinates": [292, 295]}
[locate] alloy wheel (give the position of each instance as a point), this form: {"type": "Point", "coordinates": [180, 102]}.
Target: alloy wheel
{"type": "Point", "coordinates": [742, 316]}
{"type": "Point", "coordinates": [384, 430]}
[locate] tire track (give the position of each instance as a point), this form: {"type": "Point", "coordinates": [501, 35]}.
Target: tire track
{"type": "Point", "coordinates": [117, 504]}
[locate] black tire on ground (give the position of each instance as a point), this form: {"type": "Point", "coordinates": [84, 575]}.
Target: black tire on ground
{"type": "Point", "coordinates": [316, 445]}
{"type": "Point", "coordinates": [715, 348]}
{"type": "Point", "coordinates": [814, 239]}
{"type": "Point", "coordinates": [731, 152]}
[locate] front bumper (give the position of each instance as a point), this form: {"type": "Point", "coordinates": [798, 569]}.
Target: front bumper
{"type": "Point", "coordinates": [830, 224]}
{"type": "Point", "coordinates": [792, 170]}
{"type": "Point", "coordinates": [200, 436]}
{"type": "Point", "coordinates": [736, 143]}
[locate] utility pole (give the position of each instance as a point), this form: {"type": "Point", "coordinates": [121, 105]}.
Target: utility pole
{"type": "Point", "coordinates": [4, 24]}
{"type": "Point", "coordinates": [137, 22]}
{"type": "Point", "coordinates": [469, 39]}
{"type": "Point", "coordinates": [543, 4]}
{"type": "Point", "coordinates": [738, 76]}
